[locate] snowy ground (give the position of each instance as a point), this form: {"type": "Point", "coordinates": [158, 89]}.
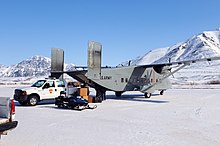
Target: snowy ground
{"type": "Point", "coordinates": [180, 117]}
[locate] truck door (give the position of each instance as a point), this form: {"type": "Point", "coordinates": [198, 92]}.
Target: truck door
{"type": "Point", "coordinates": [48, 90]}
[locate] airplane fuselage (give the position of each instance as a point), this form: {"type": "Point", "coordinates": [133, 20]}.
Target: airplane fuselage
{"type": "Point", "coordinates": [131, 78]}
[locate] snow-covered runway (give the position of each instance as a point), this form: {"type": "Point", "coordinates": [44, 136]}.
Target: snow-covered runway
{"type": "Point", "coordinates": [179, 117]}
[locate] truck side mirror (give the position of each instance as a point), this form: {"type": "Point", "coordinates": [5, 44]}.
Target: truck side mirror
{"type": "Point", "coordinates": [47, 85]}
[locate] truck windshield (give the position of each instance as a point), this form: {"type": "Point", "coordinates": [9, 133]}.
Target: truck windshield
{"type": "Point", "coordinates": [39, 83]}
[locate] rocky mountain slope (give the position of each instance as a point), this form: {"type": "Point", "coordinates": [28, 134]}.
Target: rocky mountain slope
{"type": "Point", "coordinates": [35, 66]}
{"type": "Point", "coordinates": [203, 45]}
{"type": "Point", "coordinates": [206, 44]}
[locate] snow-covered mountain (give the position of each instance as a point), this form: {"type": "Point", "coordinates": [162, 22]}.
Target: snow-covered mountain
{"type": "Point", "coordinates": [206, 44]}
{"type": "Point", "coordinates": [203, 45]}
{"type": "Point", "coordinates": [35, 66]}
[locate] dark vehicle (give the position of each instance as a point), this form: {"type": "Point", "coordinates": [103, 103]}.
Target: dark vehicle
{"type": "Point", "coordinates": [75, 102]}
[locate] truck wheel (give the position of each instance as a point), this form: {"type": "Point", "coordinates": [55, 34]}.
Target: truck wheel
{"type": "Point", "coordinates": [22, 102]}
{"type": "Point", "coordinates": [32, 100]}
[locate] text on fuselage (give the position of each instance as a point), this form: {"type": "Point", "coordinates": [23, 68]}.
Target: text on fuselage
{"type": "Point", "coordinates": [106, 77]}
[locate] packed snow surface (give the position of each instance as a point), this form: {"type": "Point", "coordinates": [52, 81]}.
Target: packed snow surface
{"type": "Point", "coordinates": [179, 117]}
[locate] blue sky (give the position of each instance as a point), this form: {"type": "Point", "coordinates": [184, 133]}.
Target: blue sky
{"type": "Point", "coordinates": [125, 28]}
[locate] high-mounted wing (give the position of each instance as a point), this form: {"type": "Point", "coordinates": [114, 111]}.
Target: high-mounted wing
{"type": "Point", "coordinates": [166, 69]}
{"type": "Point", "coordinates": [188, 62]}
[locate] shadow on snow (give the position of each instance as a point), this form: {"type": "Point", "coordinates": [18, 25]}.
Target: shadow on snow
{"type": "Point", "coordinates": [129, 97]}
{"type": "Point", "coordinates": [136, 97]}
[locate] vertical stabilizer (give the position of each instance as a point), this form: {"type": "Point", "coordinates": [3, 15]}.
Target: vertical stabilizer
{"type": "Point", "coordinates": [94, 60]}
{"type": "Point", "coordinates": [57, 62]}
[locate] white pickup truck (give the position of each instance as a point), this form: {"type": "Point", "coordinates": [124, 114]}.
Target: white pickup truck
{"type": "Point", "coordinates": [7, 114]}
{"type": "Point", "coordinates": [41, 90]}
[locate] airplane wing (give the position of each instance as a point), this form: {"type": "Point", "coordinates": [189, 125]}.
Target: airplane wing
{"type": "Point", "coordinates": [166, 68]}
{"type": "Point", "coordinates": [188, 62]}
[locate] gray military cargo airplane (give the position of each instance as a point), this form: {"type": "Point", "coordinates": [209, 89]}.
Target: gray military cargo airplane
{"type": "Point", "coordinates": [144, 78]}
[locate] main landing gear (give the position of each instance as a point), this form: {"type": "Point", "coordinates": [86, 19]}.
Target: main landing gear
{"type": "Point", "coordinates": [118, 94]}
{"type": "Point", "coordinates": [147, 95]}
{"type": "Point", "coordinates": [161, 92]}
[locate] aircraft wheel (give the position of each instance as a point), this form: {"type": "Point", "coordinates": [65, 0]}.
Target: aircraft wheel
{"type": "Point", "coordinates": [147, 95]}
{"type": "Point", "coordinates": [161, 92]}
{"type": "Point", "coordinates": [118, 94]}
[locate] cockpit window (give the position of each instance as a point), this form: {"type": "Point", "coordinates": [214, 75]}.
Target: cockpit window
{"type": "Point", "coordinates": [39, 83]}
